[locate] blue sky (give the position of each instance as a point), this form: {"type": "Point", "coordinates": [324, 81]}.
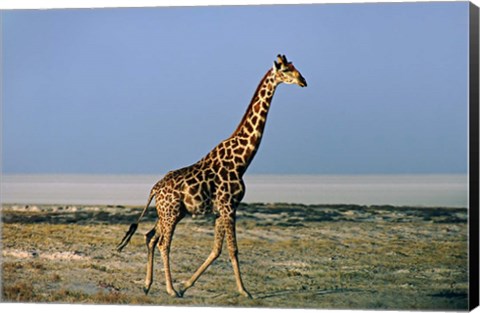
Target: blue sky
{"type": "Point", "coordinates": [147, 90]}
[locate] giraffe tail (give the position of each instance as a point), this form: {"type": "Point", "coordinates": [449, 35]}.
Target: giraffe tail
{"type": "Point", "coordinates": [134, 226]}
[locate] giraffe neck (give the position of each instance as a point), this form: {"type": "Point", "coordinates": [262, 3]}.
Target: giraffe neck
{"type": "Point", "coordinates": [250, 130]}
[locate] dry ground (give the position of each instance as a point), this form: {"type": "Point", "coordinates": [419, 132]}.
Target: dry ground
{"type": "Point", "coordinates": [292, 256]}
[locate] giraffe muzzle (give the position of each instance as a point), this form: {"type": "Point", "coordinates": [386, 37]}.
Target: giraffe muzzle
{"type": "Point", "coordinates": [302, 82]}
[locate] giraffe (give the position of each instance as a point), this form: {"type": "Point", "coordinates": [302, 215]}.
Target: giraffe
{"type": "Point", "coordinates": [212, 185]}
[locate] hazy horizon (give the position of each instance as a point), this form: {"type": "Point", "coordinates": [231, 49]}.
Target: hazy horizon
{"type": "Point", "coordinates": [400, 190]}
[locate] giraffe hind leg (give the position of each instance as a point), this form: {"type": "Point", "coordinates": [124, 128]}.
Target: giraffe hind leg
{"type": "Point", "coordinates": [151, 239]}
{"type": "Point", "coordinates": [164, 247]}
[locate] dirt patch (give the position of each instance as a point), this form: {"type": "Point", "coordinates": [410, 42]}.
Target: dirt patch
{"type": "Point", "coordinates": [22, 254]}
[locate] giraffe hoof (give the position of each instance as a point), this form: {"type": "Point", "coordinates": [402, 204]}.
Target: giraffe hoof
{"type": "Point", "coordinates": [146, 290]}
{"type": "Point", "coordinates": [174, 294]}
{"type": "Point", "coordinates": [246, 294]}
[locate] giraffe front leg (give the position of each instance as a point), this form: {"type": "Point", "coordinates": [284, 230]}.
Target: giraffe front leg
{"type": "Point", "coordinates": [233, 252]}
{"type": "Point", "coordinates": [216, 251]}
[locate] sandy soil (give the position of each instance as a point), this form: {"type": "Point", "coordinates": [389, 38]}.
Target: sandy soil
{"type": "Point", "coordinates": [291, 255]}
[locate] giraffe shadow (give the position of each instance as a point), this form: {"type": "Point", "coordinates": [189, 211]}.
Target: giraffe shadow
{"type": "Point", "coordinates": [286, 292]}
{"type": "Point", "coordinates": [293, 292]}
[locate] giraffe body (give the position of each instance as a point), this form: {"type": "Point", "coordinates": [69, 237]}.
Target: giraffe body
{"type": "Point", "coordinates": [213, 185]}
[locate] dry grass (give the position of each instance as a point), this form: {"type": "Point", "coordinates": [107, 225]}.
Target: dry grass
{"type": "Point", "coordinates": [292, 256]}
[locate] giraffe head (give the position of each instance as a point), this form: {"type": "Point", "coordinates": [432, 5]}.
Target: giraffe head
{"type": "Point", "coordinates": [285, 72]}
